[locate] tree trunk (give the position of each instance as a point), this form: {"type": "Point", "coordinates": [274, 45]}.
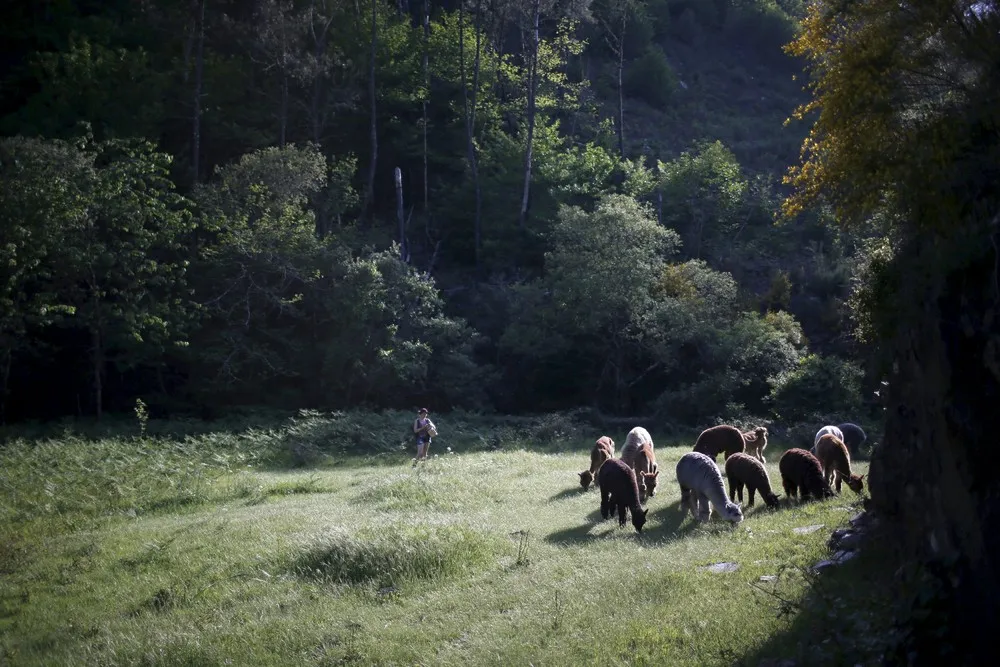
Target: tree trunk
{"type": "Point", "coordinates": [373, 163]}
{"type": "Point", "coordinates": [398, 176]}
{"type": "Point", "coordinates": [317, 118]}
{"type": "Point", "coordinates": [97, 366]}
{"type": "Point", "coordinates": [470, 147]}
{"type": "Point", "coordinates": [427, 95]}
{"type": "Point", "coordinates": [199, 67]}
{"type": "Point", "coordinates": [6, 358]}
{"type": "Point", "coordinates": [621, 93]}
{"type": "Point", "coordinates": [529, 142]}
{"type": "Point", "coordinates": [933, 481]}
{"type": "Point", "coordinates": [283, 110]}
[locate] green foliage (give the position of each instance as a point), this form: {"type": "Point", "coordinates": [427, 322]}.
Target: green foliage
{"type": "Point", "coordinates": [818, 386]}
{"type": "Point", "coordinates": [651, 78]}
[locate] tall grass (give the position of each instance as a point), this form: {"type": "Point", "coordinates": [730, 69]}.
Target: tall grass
{"type": "Point", "coordinates": [219, 548]}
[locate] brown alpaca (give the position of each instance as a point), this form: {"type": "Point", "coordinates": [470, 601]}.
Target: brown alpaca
{"type": "Point", "coordinates": [603, 450]}
{"type": "Point", "coordinates": [718, 439]}
{"type": "Point", "coordinates": [646, 470]}
{"type": "Point", "coordinates": [836, 461]}
{"type": "Point", "coordinates": [745, 470]}
{"type": "Point", "coordinates": [756, 442]}
{"type": "Point", "coordinates": [619, 489]}
{"type": "Point", "coordinates": [800, 470]}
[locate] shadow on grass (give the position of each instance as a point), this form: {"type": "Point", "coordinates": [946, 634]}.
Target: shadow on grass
{"type": "Point", "coordinates": [571, 493]}
{"type": "Point", "coordinates": [844, 617]}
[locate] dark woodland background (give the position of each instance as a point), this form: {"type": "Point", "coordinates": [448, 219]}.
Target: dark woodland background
{"type": "Point", "coordinates": [199, 209]}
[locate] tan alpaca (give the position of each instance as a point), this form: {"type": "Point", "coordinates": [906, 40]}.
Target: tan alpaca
{"type": "Point", "coordinates": [836, 461]}
{"type": "Point", "coordinates": [756, 442]}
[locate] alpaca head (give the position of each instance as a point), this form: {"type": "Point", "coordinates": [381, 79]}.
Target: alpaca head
{"type": "Point", "coordinates": [770, 498]}
{"type": "Point", "coordinates": [586, 477]}
{"type": "Point", "coordinates": [856, 483]}
{"type": "Point", "coordinates": [761, 434]}
{"type": "Point", "coordinates": [649, 478]}
{"type": "Point", "coordinates": [732, 512]}
{"type": "Point", "coordinates": [639, 519]}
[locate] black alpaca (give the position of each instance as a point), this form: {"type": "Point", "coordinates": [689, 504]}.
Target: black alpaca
{"type": "Point", "coordinates": [618, 485]}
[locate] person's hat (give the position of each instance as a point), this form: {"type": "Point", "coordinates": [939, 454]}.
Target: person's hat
{"type": "Point", "coordinates": [422, 410]}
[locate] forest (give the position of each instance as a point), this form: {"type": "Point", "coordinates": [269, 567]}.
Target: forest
{"type": "Point", "coordinates": [201, 210]}
{"type": "Point", "coordinates": [691, 212]}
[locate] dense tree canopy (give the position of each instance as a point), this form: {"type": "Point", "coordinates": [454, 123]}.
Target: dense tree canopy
{"type": "Point", "coordinates": [201, 208]}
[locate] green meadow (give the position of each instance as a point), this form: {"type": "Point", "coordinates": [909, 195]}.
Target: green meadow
{"type": "Point", "coordinates": [235, 547]}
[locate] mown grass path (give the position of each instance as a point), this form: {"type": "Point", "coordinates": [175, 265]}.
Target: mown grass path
{"type": "Point", "coordinates": [481, 558]}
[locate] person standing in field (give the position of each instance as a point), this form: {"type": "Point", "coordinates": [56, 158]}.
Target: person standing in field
{"type": "Point", "coordinates": [424, 429]}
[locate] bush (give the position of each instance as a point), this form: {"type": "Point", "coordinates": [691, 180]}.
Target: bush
{"type": "Point", "coordinates": [651, 78]}
{"type": "Point", "coordinates": [818, 386]}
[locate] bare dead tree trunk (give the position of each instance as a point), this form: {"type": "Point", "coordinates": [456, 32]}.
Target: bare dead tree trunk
{"type": "Point", "coordinates": [427, 95]}
{"type": "Point", "coordinates": [370, 186]}
{"type": "Point", "coordinates": [398, 175]}
{"type": "Point", "coordinates": [529, 141]}
{"type": "Point", "coordinates": [283, 111]}
{"type": "Point", "coordinates": [199, 67]}
{"type": "Point", "coordinates": [469, 143]}
{"type": "Point", "coordinates": [621, 94]}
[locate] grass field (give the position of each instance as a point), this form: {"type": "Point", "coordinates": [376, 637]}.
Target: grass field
{"type": "Point", "coordinates": [199, 551]}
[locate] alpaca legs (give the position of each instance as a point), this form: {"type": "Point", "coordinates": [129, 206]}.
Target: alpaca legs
{"type": "Point", "coordinates": [605, 504]}
{"type": "Point", "coordinates": [704, 507]}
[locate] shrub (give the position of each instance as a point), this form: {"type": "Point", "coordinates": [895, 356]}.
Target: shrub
{"type": "Point", "coordinates": [817, 386]}
{"type": "Point", "coordinates": [651, 78]}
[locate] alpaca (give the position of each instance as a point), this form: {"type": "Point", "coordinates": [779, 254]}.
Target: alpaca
{"type": "Point", "coordinates": [647, 470]}
{"type": "Point", "coordinates": [633, 442]}
{"type": "Point", "coordinates": [854, 437]}
{"type": "Point", "coordinates": [756, 442]}
{"type": "Point", "coordinates": [603, 450]}
{"type": "Point", "coordinates": [836, 461]}
{"type": "Point", "coordinates": [745, 470]}
{"type": "Point", "coordinates": [701, 482]}
{"type": "Point", "coordinates": [619, 489]}
{"type": "Point", "coordinates": [717, 439]}
{"type": "Point", "coordinates": [826, 430]}
{"type": "Point", "coordinates": [800, 470]}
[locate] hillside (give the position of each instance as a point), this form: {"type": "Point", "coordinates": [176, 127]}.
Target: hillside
{"type": "Point", "coordinates": [261, 143]}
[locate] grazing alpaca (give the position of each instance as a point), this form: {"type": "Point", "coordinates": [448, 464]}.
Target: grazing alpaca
{"type": "Point", "coordinates": [603, 450]}
{"type": "Point", "coordinates": [646, 470]}
{"type": "Point", "coordinates": [743, 469]}
{"type": "Point", "coordinates": [836, 461]}
{"type": "Point", "coordinates": [826, 430]}
{"type": "Point", "coordinates": [619, 489]}
{"type": "Point", "coordinates": [634, 442]}
{"type": "Point", "coordinates": [701, 482]}
{"type": "Point", "coordinates": [800, 470]}
{"type": "Point", "coordinates": [756, 442]}
{"type": "Point", "coordinates": [717, 439]}
{"type": "Point", "coordinates": [854, 437]}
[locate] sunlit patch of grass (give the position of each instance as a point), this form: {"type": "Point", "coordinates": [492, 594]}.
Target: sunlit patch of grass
{"type": "Point", "coordinates": [473, 558]}
{"type": "Point", "coordinates": [395, 554]}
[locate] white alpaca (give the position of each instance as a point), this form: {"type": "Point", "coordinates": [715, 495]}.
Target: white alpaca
{"type": "Point", "coordinates": [701, 484]}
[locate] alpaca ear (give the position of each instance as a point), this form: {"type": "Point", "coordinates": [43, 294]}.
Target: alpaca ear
{"type": "Point", "coordinates": [656, 473]}
{"type": "Point", "coordinates": [581, 474]}
{"type": "Point", "coordinates": [645, 512]}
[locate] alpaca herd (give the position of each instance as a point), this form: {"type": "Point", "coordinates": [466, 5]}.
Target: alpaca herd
{"type": "Point", "coordinates": [626, 482]}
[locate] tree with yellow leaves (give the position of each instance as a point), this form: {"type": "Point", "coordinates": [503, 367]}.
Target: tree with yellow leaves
{"type": "Point", "coordinates": [905, 135]}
